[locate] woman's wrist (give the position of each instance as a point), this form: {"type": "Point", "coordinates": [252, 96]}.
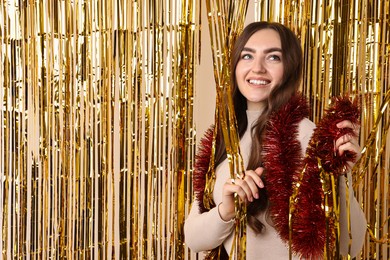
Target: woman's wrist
{"type": "Point", "coordinates": [224, 215]}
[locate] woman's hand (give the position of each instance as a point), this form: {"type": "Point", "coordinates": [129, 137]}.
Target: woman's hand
{"type": "Point", "coordinates": [349, 142]}
{"type": "Point", "coordinates": [246, 189]}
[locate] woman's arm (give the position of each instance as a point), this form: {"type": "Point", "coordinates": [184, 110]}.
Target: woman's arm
{"type": "Point", "coordinates": [351, 238]}
{"type": "Point", "coordinates": [210, 229]}
{"type": "Point", "coordinates": [205, 231]}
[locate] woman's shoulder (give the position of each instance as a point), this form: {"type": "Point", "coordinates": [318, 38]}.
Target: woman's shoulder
{"type": "Point", "coordinates": [305, 131]}
{"type": "Point", "coordinates": [307, 124]}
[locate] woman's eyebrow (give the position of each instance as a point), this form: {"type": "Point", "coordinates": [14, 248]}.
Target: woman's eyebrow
{"type": "Point", "coordinates": [248, 49]}
{"type": "Point", "coordinates": [265, 51]}
{"type": "Point", "coordinates": [272, 50]}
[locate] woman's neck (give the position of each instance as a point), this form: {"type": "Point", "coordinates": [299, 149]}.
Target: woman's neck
{"type": "Point", "coordinates": [256, 106]}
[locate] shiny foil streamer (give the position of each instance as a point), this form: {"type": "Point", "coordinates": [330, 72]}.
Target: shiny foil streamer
{"type": "Point", "coordinates": [226, 19]}
{"type": "Point", "coordinates": [347, 50]}
{"type": "Point", "coordinates": [97, 133]}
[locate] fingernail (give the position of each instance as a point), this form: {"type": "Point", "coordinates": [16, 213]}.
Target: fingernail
{"type": "Point", "coordinates": [256, 195]}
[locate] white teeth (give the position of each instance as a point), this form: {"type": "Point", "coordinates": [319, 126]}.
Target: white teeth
{"type": "Point", "coordinates": [258, 82]}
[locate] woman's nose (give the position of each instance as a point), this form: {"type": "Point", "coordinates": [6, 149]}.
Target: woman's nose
{"type": "Point", "coordinates": [258, 67]}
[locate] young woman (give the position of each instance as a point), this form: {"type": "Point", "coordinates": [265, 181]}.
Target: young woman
{"type": "Point", "coordinates": [266, 74]}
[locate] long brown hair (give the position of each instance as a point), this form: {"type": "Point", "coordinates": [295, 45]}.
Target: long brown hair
{"type": "Point", "coordinates": [292, 63]}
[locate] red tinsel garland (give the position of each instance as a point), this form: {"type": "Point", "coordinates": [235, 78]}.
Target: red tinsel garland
{"type": "Point", "coordinates": [201, 167]}
{"type": "Point", "coordinates": [310, 232]}
{"type": "Point", "coordinates": [282, 159]}
{"type": "Point", "coordinates": [309, 228]}
{"type": "Point", "coordinates": [284, 164]}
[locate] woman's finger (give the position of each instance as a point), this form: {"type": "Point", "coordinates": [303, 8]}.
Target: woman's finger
{"type": "Point", "coordinates": [346, 147]}
{"type": "Point", "coordinates": [254, 181]}
{"type": "Point", "coordinates": [347, 143]}
{"type": "Point", "coordinates": [251, 182]}
{"type": "Point", "coordinates": [236, 186]}
{"type": "Point", "coordinates": [259, 171]}
{"type": "Point", "coordinates": [247, 186]}
{"type": "Point", "coordinates": [349, 124]}
{"type": "Point", "coordinates": [342, 140]}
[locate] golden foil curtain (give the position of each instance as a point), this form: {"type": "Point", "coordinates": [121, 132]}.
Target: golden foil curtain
{"type": "Point", "coordinates": [97, 133]}
{"type": "Point", "coordinates": [347, 50]}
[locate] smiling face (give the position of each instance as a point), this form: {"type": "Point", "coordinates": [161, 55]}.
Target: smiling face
{"type": "Point", "coordinates": [260, 67]}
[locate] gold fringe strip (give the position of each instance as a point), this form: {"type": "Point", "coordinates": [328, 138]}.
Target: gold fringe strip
{"type": "Point", "coordinates": [226, 19]}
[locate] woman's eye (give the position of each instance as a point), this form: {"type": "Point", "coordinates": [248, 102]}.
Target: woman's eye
{"type": "Point", "coordinates": [246, 56]}
{"type": "Point", "coordinates": [274, 57]}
